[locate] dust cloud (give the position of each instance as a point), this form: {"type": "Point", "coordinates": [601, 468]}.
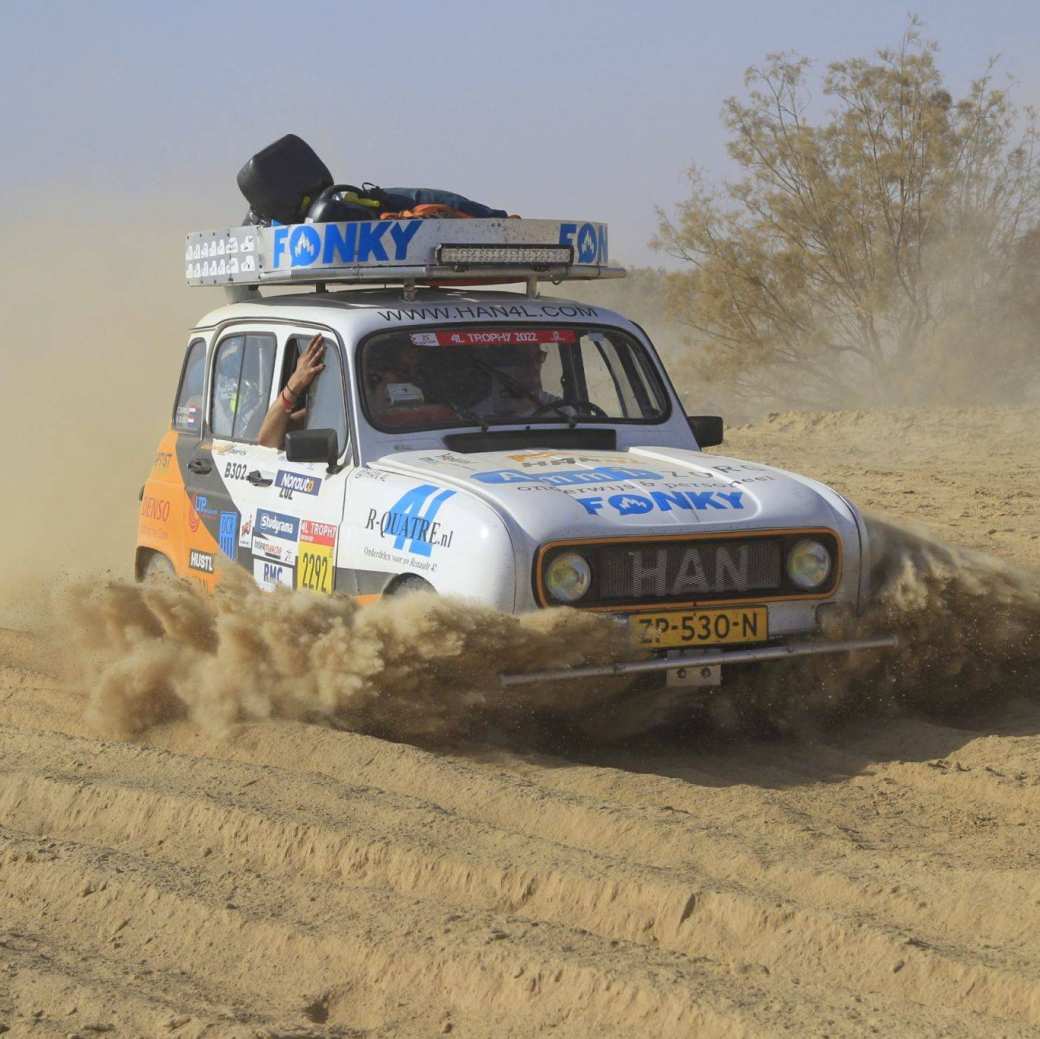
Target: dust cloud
{"type": "Point", "coordinates": [969, 639]}
{"type": "Point", "coordinates": [969, 624]}
{"type": "Point", "coordinates": [412, 667]}
{"type": "Point", "coordinates": [96, 316]}
{"type": "Point", "coordinates": [424, 668]}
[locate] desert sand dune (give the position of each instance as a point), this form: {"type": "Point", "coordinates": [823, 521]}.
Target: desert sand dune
{"type": "Point", "coordinates": [832, 852]}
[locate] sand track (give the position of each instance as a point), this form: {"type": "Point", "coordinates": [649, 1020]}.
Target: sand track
{"type": "Point", "coordinates": [290, 879]}
{"type": "Point", "coordinates": [279, 887]}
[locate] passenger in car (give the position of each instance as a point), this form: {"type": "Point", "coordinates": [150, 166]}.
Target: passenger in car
{"type": "Point", "coordinates": [406, 390]}
{"type": "Point", "coordinates": [393, 378]}
{"type": "Point", "coordinates": [284, 413]}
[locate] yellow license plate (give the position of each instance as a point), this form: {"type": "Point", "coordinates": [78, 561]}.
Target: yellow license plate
{"type": "Point", "coordinates": [700, 627]}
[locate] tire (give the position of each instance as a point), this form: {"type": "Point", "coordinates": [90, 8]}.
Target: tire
{"type": "Point", "coordinates": [156, 567]}
{"type": "Point", "coordinates": [408, 584]}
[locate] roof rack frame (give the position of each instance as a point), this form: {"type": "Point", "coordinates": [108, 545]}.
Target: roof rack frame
{"type": "Point", "coordinates": [400, 252]}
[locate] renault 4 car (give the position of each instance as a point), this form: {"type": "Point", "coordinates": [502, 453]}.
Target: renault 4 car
{"type": "Point", "coordinates": [507, 447]}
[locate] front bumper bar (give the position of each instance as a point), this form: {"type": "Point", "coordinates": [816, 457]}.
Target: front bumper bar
{"type": "Point", "coordinates": [737, 656]}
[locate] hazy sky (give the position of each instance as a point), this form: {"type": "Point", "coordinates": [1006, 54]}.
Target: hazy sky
{"type": "Point", "coordinates": [586, 110]}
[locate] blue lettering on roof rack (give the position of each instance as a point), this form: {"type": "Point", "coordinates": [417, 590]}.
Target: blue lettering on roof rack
{"type": "Point", "coordinates": [588, 240]}
{"type": "Point", "coordinates": [360, 242]}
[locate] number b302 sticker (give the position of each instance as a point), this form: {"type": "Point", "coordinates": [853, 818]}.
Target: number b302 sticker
{"type": "Point", "coordinates": [315, 564]}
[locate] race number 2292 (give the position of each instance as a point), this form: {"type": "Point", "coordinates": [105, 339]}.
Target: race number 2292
{"type": "Point", "coordinates": [315, 564]}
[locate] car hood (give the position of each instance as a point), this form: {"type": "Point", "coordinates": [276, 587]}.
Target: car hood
{"type": "Point", "coordinates": [642, 490]}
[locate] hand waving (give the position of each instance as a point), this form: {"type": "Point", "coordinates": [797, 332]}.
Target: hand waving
{"type": "Point", "coordinates": [308, 367]}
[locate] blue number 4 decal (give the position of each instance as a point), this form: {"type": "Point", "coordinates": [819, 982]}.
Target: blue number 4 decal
{"type": "Point", "coordinates": [412, 522]}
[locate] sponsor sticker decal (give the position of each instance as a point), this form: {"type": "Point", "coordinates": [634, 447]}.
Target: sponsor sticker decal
{"type": "Point", "coordinates": [157, 509]}
{"type": "Point", "coordinates": [277, 525]}
{"type": "Point", "coordinates": [228, 537]}
{"type": "Point", "coordinates": [725, 568]}
{"type": "Point", "coordinates": [627, 504]}
{"type": "Point", "coordinates": [589, 241]}
{"type": "Point", "coordinates": [369, 241]}
{"type": "Point", "coordinates": [199, 509]}
{"type": "Point", "coordinates": [489, 312]}
{"type": "Point", "coordinates": [270, 575]}
{"type": "Point", "coordinates": [202, 506]}
{"type": "Point", "coordinates": [290, 483]}
{"type": "Point", "coordinates": [245, 536]}
{"type": "Point", "coordinates": [568, 477]}
{"type": "Point", "coordinates": [187, 415]}
{"type": "Point", "coordinates": [412, 521]}
{"type": "Point", "coordinates": [316, 533]}
{"type": "Point", "coordinates": [270, 548]}
{"type": "Point", "coordinates": [316, 567]}
{"type": "Point", "coordinates": [202, 561]}
{"type": "Point", "coordinates": [504, 337]}
{"type": "Point", "coordinates": [544, 459]}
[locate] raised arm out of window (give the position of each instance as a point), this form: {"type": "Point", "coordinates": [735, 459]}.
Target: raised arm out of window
{"type": "Point", "coordinates": [283, 413]}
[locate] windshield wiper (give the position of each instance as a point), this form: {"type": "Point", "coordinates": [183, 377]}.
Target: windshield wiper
{"type": "Point", "coordinates": [485, 424]}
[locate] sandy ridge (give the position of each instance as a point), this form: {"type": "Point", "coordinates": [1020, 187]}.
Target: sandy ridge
{"type": "Point", "coordinates": [134, 798]}
{"type": "Point", "coordinates": [133, 834]}
{"type": "Point", "coordinates": [295, 880]}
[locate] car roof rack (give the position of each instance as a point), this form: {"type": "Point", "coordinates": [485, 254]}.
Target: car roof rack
{"type": "Point", "coordinates": [401, 251]}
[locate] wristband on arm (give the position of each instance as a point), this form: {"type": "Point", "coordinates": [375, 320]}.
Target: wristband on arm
{"type": "Point", "coordinates": [288, 400]}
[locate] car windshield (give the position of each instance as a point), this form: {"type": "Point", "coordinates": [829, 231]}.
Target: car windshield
{"type": "Point", "coordinates": [495, 376]}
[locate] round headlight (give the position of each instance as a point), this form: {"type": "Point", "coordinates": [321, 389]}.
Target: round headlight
{"type": "Point", "coordinates": [808, 564]}
{"type": "Point", "coordinates": [568, 577]}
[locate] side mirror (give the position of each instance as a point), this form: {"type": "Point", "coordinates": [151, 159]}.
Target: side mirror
{"type": "Point", "coordinates": [312, 445]}
{"type": "Point", "coordinates": [706, 428]}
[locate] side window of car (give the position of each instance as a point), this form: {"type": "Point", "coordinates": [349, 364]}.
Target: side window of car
{"type": "Point", "coordinates": [601, 384]}
{"type": "Point", "coordinates": [187, 412]}
{"type": "Point", "coordinates": [553, 378]}
{"type": "Point", "coordinates": [242, 372]}
{"type": "Point", "coordinates": [326, 408]}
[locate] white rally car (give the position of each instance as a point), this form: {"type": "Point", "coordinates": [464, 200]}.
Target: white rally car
{"type": "Point", "coordinates": [506, 447]}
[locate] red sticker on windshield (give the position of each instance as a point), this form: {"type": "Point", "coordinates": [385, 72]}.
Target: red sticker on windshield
{"type": "Point", "coordinates": [496, 337]}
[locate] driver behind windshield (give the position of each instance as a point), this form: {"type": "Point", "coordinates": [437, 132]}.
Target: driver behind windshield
{"type": "Point", "coordinates": [430, 380]}
{"type": "Point", "coordinates": [515, 386]}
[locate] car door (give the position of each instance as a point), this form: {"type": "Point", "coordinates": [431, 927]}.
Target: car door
{"type": "Point", "coordinates": [165, 505]}
{"type": "Point", "coordinates": [298, 513]}
{"type": "Point", "coordinates": [222, 476]}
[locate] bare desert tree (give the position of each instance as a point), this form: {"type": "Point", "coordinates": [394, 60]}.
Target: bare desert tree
{"type": "Point", "coordinates": [867, 255]}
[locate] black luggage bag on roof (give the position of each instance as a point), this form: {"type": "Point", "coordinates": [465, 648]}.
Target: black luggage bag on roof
{"type": "Point", "coordinates": [287, 182]}
{"type": "Point", "coordinates": [281, 181]}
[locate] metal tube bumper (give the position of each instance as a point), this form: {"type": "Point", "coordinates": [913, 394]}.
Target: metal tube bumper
{"type": "Point", "coordinates": [738, 656]}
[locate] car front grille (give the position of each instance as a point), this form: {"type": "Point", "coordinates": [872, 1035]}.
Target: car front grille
{"type": "Point", "coordinates": [643, 573]}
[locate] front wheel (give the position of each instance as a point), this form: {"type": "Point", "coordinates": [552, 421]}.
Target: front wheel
{"type": "Point", "coordinates": [409, 584]}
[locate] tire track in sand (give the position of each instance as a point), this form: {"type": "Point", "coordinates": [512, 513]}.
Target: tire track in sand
{"type": "Point", "coordinates": [293, 880]}
{"type": "Point", "coordinates": [297, 833]}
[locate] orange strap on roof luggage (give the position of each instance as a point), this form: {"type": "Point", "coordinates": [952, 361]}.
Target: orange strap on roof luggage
{"type": "Point", "coordinates": [427, 211]}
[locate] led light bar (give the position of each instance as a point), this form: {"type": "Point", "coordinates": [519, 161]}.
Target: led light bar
{"type": "Point", "coordinates": [505, 255]}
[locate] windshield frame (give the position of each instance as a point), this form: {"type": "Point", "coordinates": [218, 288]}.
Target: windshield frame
{"type": "Point", "coordinates": [645, 357]}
